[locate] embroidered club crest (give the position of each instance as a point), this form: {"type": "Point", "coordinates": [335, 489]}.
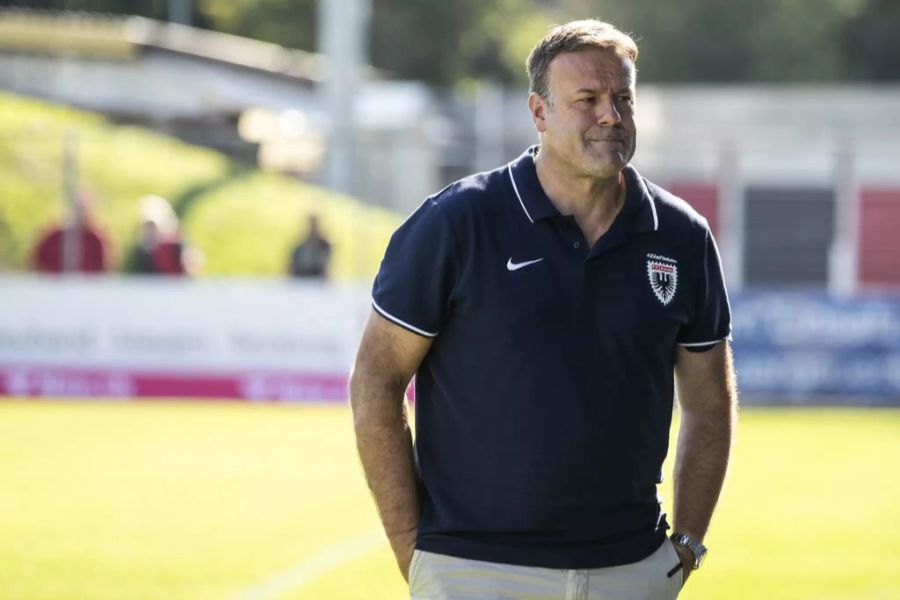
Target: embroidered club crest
{"type": "Point", "coordinates": [663, 275]}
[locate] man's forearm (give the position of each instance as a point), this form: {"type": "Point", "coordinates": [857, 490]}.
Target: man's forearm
{"type": "Point", "coordinates": [384, 443]}
{"type": "Point", "coordinates": [704, 446]}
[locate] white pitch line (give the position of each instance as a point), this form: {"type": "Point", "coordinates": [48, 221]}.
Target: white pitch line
{"type": "Point", "coordinates": [314, 566]}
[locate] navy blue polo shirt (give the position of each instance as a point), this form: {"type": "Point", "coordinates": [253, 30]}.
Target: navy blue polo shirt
{"type": "Point", "coordinates": [543, 405]}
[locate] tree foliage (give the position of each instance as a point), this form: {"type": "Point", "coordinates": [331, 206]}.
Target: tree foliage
{"type": "Point", "coordinates": [446, 43]}
{"type": "Point", "coordinates": [871, 42]}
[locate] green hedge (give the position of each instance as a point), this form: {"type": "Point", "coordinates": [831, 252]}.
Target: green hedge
{"type": "Point", "coordinates": [244, 220]}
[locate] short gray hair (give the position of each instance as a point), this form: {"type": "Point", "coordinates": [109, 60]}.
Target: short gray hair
{"type": "Point", "coordinates": [569, 37]}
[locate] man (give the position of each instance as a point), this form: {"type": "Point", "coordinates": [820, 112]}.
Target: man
{"type": "Point", "coordinates": [76, 246]}
{"type": "Point", "coordinates": [310, 257]}
{"type": "Point", "coordinates": [544, 307]}
{"type": "Point", "coordinates": [158, 224]}
{"type": "Point", "coordinates": [160, 248]}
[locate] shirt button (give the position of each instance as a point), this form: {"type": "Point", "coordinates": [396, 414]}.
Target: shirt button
{"type": "Point", "coordinates": [576, 244]}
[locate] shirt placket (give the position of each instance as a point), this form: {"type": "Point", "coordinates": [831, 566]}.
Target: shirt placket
{"type": "Point", "coordinates": [573, 239]}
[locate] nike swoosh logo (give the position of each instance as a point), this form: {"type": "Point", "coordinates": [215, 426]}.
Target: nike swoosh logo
{"type": "Point", "coordinates": [510, 265]}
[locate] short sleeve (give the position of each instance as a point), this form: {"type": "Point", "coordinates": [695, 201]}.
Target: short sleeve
{"type": "Point", "coordinates": [712, 313]}
{"type": "Point", "coordinates": [418, 272]}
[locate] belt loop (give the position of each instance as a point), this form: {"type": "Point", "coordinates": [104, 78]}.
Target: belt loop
{"type": "Point", "coordinates": [577, 584]}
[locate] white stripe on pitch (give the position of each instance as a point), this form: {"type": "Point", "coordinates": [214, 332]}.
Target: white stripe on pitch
{"type": "Point", "coordinates": [314, 566]}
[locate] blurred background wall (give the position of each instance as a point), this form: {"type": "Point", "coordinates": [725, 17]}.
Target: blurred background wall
{"type": "Point", "coordinates": [780, 122]}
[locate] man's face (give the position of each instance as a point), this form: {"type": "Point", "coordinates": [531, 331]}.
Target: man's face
{"type": "Point", "coordinates": [589, 121]}
{"type": "Point", "coordinates": [149, 232]}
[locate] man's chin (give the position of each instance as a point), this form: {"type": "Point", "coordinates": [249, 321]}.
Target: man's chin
{"type": "Point", "coordinates": [607, 166]}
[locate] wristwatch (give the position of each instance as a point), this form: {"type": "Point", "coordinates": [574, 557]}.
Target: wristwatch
{"type": "Point", "coordinates": [697, 549]}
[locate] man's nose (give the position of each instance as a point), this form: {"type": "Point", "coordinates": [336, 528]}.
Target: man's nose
{"type": "Point", "coordinates": [607, 113]}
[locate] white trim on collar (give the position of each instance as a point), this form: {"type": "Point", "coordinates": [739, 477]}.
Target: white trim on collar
{"type": "Point", "coordinates": [512, 179]}
{"type": "Point", "coordinates": [516, 189]}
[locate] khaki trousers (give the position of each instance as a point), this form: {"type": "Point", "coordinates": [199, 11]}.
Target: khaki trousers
{"type": "Point", "coordinates": [439, 577]}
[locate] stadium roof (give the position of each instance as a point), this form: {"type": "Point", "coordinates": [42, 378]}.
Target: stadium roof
{"type": "Point", "coordinates": [116, 37]}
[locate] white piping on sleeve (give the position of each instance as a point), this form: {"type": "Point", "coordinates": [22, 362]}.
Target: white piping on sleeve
{"type": "Point", "coordinates": [516, 189]}
{"type": "Point", "coordinates": [691, 344]}
{"type": "Point", "coordinates": [401, 322]}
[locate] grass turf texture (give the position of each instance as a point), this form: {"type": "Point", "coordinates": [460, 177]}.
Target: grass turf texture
{"type": "Point", "coordinates": [178, 500]}
{"type": "Point", "coordinates": [244, 220]}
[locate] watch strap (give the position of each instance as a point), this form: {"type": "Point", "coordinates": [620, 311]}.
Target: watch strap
{"type": "Point", "coordinates": [697, 549]}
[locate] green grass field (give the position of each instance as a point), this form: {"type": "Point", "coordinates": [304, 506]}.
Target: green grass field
{"type": "Point", "coordinates": [192, 501]}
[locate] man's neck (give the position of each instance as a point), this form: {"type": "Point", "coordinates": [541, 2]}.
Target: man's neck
{"type": "Point", "coordinates": [594, 202]}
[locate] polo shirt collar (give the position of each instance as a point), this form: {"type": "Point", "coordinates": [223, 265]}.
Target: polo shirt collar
{"type": "Point", "coordinates": [639, 213]}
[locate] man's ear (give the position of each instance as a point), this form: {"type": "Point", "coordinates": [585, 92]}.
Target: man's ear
{"type": "Point", "coordinates": [538, 107]}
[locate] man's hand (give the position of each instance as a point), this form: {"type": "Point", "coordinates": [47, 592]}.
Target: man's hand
{"type": "Point", "coordinates": [387, 358]}
{"type": "Point", "coordinates": [404, 553]}
{"type": "Point", "coordinates": [707, 396]}
{"type": "Point", "coordinates": [687, 562]}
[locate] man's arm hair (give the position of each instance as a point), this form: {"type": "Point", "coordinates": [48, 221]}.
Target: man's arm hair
{"type": "Point", "coordinates": [708, 398]}
{"type": "Point", "coordinates": [387, 358]}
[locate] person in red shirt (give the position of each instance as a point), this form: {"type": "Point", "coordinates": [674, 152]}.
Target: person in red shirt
{"type": "Point", "coordinates": [160, 248]}
{"type": "Point", "coordinates": [80, 238]}
{"type": "Point", "coordinates": [170, 257]}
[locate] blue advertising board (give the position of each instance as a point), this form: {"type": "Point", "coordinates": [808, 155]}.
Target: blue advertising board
{"type": "Point", "coordinates": [808, 344]}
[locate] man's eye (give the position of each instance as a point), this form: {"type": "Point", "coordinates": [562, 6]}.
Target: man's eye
{"type": "Point", "coordinates": [587, 100]}
{"type": "Point", "coordinates": [624, 98]}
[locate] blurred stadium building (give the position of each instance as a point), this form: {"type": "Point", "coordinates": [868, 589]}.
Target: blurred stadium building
{"type": "Point", "coordinates": [801, 186]}
{"type": "Point", "coordinates": [250, 99]}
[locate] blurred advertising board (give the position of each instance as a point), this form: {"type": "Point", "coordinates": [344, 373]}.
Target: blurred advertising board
{"type": "Point", "coordinates": [166, 337]}
{"type": "Point", "coordinates": [804, 347]}
{"type": "Point", "coordinates": [285, 340]}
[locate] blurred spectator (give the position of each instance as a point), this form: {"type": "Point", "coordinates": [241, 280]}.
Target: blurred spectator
{"type": "Point", "coordinates": [160, 248]}
{"type": "Point", "coordinates": [311, 256]}
{"type": "Point", "coordinates": [75, 245]}
{"type": "Point", "coordinates": [6, 243]}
